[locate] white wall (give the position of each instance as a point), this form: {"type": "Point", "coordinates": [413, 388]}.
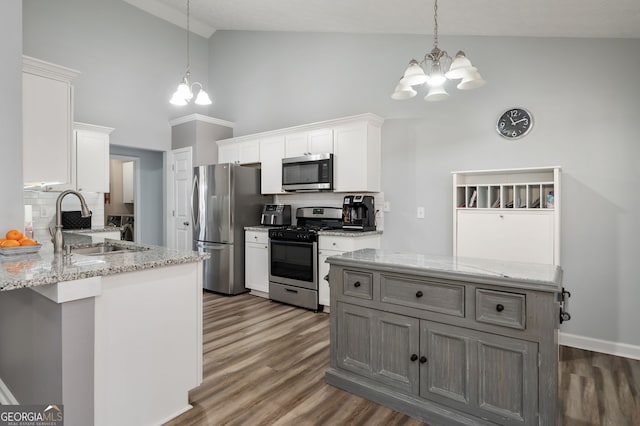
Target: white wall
{"type": "Point", "coordinates": [11, 209]}
{"type": "Point", "coordinates": [584, 99]}
{"type": "Point", "coordinates": [131, 62]}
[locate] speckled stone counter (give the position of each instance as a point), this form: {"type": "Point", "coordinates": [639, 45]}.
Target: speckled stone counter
{"type": "Point", "coordinates": [353, 234]}
{"type": "Point", "coordinates": [44, 267]}
{"type": "Point", "coordinates": [519, 274]}
{"type": "Point", "coordinates": [259, 228]}
{"type": "Point", "coordinates": [94, 230]}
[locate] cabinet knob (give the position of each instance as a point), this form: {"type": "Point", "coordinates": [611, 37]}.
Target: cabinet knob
{"type": "Point", "coordinates": [326, 278]}
{"type": "Point", "coordinates": [499, 307]}
{"type": "Point", "coordinates": [334, 244]}
{"type": "Point", "coordinates": [255, 237]}
{"type": "Point", "coordinates": [419, 294]}
{"type": "Point", "coordinates": [423, 359]}
{"type": "Point", "coordinates": [79, 189]}
{"type": "Point", "coordinates": [356, 284]}
{"type": "Point", "coordinates": [414, 357]}
{"type": "Point", "coordinates": [185, 223]}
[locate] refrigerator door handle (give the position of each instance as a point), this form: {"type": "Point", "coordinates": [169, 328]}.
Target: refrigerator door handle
{"type": "Point", "coordinates": [211, 246]}
{"type": "Point", "coordinates": [195, 218]}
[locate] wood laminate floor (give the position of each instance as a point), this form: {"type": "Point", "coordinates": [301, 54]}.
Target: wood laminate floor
{"type": "Point", "coordinates": [264, 364]}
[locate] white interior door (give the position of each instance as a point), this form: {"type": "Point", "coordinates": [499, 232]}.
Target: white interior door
{"type": "Point", "coordinates": [182, 174]}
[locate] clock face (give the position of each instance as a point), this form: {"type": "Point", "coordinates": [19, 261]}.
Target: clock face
{"type": "Point", "coordinates": [514, 123]}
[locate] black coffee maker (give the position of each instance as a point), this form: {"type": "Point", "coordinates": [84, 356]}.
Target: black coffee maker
{"type": "Point", "coordinates": [358, 213]}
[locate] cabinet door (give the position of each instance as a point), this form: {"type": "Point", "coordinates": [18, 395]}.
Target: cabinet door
{"type": "Point", "coordinates": [397, 351]}
{"type": "Point", "coordinates": [445, 375]}
{"type": "Point", "coordinates": [257, 267]}
{"type": "Point", "coordinates": [521, 236]}
{"type": "Point", "coordinates": [508, 379]}
{"type": "Point", "coordinates": [249, 152]}
{"type": "Point", "coordinates": [271, 154]}
{"type": "Point", "coordinates": [356, 159]}
{"type": "Point", "coordinates": [296, 144]}
{"type": "Point", "coordinates": [355, 345]}
{"type": "Point", "coordinates": [127, 182]}
{"type": "Point", "coordinates": [324, 295]}
{"type": "Point", "coordinates": [46, 142]}
{"type": "Point", "coordinates": [92, 161]}
{"type": "Point", "coordinates": [320, 141]}
{"type": "Point", "coordinates": [229, 153]}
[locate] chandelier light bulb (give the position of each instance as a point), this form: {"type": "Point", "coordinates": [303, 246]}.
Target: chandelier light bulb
{"type": "Point", "coordinates": [436, 94]}
{"type": "Point", "coordinates": [414, 74]}
{"type": "Point", "coordinates": [203, 98]}
{"type": "Point", "coordinates": [403, 91]}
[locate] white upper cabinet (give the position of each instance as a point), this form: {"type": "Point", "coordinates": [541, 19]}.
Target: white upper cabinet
{"type": "Point", "coordinates": [271, 154]}
{"type": "Point", "coordinates": [47, 115]}
{"type": "Point", "coordinates": [246, 152]}
{"type": "Point", "coordinates": [354, 142]}
{"type": "Point", "coordinates": [318, 141]}
{"type": "Point", "coordinates": [357, 156]}
{"type": "Point", "coordinates": [92, 157]}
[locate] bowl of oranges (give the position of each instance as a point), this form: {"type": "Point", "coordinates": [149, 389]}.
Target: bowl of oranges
{"type": "Point", "coordinates": [15, 242]}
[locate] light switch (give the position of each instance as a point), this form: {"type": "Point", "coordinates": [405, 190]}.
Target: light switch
{"type": "Point", "coordinates": [420, 213]}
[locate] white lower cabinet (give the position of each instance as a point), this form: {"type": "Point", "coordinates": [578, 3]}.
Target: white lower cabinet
{"type": "Point", "coordinates": [335, 246]}
{"type": "Point", "coordinates": [256, 257]}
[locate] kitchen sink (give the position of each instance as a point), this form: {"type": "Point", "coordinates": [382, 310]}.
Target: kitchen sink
{"type": "Point", "coordinates": [100, 249]}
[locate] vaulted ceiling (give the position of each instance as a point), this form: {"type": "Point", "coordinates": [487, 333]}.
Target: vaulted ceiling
{"type": "Point", "coordinates": [534, 18]}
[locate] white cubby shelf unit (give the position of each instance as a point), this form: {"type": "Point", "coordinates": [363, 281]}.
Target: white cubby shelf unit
{"type": "Point", "coordinates": [508, 214]}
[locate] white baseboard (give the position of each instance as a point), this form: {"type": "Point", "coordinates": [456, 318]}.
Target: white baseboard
{"type": "Point", "coordinates": [259, 294]}
{"type": "Point", "coordinates": [597, 345]}
{"type": "Point", "coordinates": [6, 397]}
{"type": "Point", "coordinates": [176, 414]}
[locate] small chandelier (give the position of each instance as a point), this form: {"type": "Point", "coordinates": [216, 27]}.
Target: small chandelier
{"type": "Point", "coordinates": [430, 71]}
{"type": "Point", "coordinates": [184, 93]}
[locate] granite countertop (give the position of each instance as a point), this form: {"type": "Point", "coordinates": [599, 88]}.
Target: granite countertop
{"type": "Point", "coordinates": [94, 230]}
{"type": "Point", "coordinates": [518, 274]}
{"type": "Point", "coordinates": [45, 267]}
{"type": "Point", "coordinates": [260, 228]}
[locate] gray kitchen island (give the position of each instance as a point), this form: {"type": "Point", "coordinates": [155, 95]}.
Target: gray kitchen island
{"type": "Point", "coordinates": [448, 340]}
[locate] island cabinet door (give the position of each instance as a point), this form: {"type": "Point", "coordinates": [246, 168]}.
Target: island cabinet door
{"type": "Point", "coordinates": [446, 364]}
{"type": "Point", "coordinates": [355, 339]}
{"type": "Point", "coordinates": [508, 379]}
{"type": "Point", "coordinates": [396, 349]}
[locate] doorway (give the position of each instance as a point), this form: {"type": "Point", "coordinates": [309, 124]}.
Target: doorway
{"type": "Point", "coordinates": [120, 206]}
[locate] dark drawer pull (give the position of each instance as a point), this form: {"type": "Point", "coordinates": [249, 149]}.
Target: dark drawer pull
{"type": "Point", "coordinates": [414, 357]}
{"type": "Point", "coordinates": [499, 307]}
{"type": "Point", "coordinates": [419, 294]}
{"type": "Point", "coordinates": [356, 284]}
{"type": "Point", "coordinates": [423, 359]}
{"type": "Point", "coordinates": [288, 290]}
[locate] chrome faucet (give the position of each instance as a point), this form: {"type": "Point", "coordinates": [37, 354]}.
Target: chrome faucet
{"type": "Point", "coordinates": [57, 238]}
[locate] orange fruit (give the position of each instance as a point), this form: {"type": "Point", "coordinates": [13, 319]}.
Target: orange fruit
{"type": "Point", "coordinates": [2, 239]}
{"type": "Point", "coordinates": [14, 234]}
{"type": "Point", "coordinates": [27, 242]}
{"type": "Point", "coordinates": [9, 243]}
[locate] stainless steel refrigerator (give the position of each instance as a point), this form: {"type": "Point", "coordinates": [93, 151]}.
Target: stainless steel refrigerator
{"type": "Point", "coordinates": [225, 199]}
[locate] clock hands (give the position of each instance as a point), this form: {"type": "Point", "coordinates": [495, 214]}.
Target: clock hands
{"type": "Point", "coordinates": [516, 122]}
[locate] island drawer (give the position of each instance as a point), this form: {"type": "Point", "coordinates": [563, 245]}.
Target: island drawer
{"type": "Point", "coordinates": [423, 294]}
{"type": "Point", "coordinates": [501, 308]}
{"type": "Point", "coordinates": [358, 284]}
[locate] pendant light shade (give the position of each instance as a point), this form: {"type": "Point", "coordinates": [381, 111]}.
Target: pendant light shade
{"type": "Point", "coordinates": [184, 92]}
{"type": "Point", "coordinates": [435, 70]}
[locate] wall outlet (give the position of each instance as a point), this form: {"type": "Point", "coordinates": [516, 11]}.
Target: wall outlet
{"type": "Point", "coordinates": [387, 206]}
{"type": "Point", "coordinates": [420, 213]}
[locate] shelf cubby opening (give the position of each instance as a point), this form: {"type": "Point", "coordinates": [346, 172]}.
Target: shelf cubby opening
{"type": "Point", "coordinates": [461, 200]}
{"type": "Point", "coordinates": [483, 197]}
{"type": "Point", "coordinates": [533, 194]}
{"type": "Point", "coordinates": [547, 189]}
{"type": "Point", "coordinates": [494, 197]}
{"type": "Point", "coordinates": [472, 196]}
{"type": "Point", "coordinates": [520, 196]}
{"type": "Point", "coordinates": [507, 197]}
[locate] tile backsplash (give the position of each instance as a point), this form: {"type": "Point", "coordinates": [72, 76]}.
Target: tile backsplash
{"type": "Point", "coordinates": [43, 206]}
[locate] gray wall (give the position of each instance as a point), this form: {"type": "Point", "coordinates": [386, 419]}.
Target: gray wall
{"type": "Point", "coordinates": [12, 213]}
{"type": "Point", "coordinates": [131, 62]}
{"type": "Point", "coordinates": [201, 137]}
{"type": "Point", "coordinates": [151, 197]}
{"type": "Point", "coordinates": [584, 99]}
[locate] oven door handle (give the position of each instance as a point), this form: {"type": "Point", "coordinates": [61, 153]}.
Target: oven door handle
{"type": "Point", "coordinates": [297, 243]}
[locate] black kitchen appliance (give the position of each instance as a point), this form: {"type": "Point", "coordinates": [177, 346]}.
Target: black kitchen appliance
{"type": "Point", "coordinates": [276, 215]}
{"type": "Point", "coordinates": [293, 256]}
{"type": "Point", "coordinates": [358, 213]}
{"type": "Point", "coordinates": [74, 220]}
{"type": "Point", "coordinates": [308, 173]}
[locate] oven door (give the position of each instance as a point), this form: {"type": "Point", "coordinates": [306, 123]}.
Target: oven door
{"type": "Point", "coordinates": [294, 263]}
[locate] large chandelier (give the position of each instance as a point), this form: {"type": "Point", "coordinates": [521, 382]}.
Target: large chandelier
{"type": "Point", "coordinates": [184, 93]}
{"type": "Point", "coordinates": [430, 72]}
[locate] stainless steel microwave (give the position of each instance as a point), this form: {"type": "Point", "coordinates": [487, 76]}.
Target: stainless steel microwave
{"type": "Point", "coordinates": [308, 173]}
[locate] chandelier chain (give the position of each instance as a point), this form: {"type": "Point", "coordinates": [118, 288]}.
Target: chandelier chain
{"type": "Point", "coordinates": [435, 20]}
{"type": "Point", "coordinates": [188, 45]}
